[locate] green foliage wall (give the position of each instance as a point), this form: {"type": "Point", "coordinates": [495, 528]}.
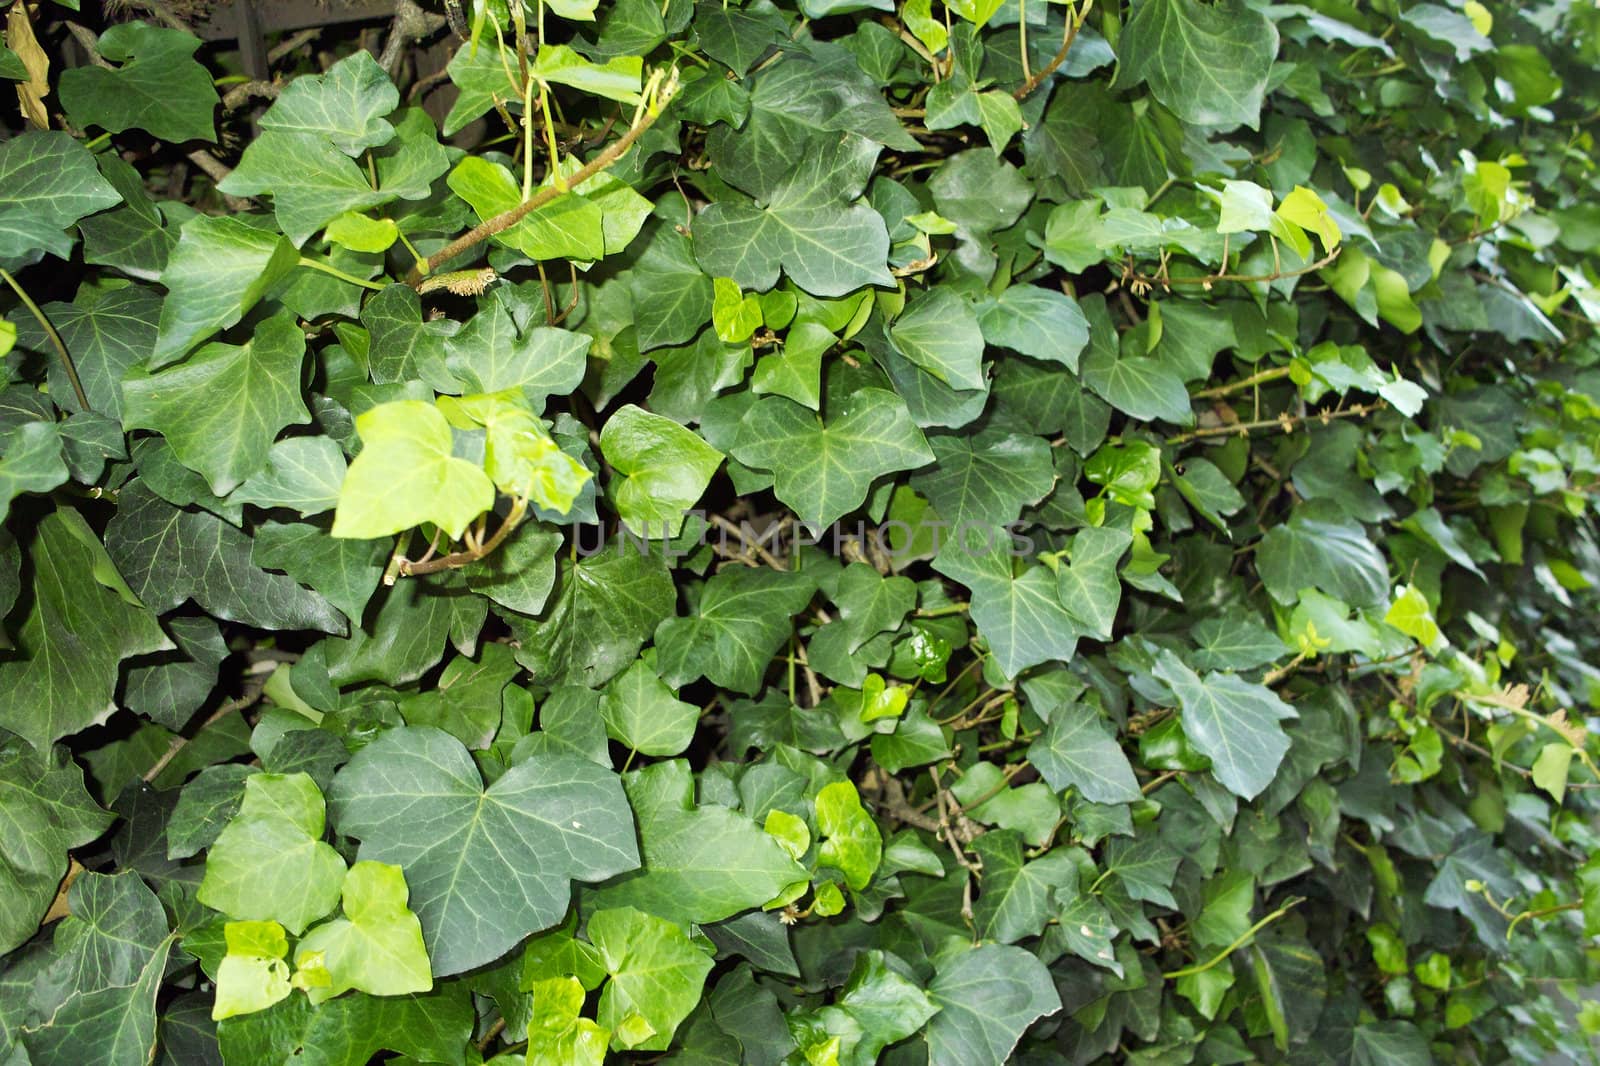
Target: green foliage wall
{"type": "Point", "coordinates": [818, 532]}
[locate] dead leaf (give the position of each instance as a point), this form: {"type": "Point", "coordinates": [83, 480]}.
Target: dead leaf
{"type": "Point", "coordinates": [31, 93]}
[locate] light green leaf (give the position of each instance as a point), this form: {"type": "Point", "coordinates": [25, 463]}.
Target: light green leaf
{"type": "Point", "coordinates": [377, 946]}
{"type": "Point", "coordinates": [823, 470]}
{"type": "Point", "coordinates": [619, 78]}
{"type": "Point", "coordinates": [271, 863]}
{"type": "Point", "coordinates": [657, 974]}
{"type": "Point", "coordinates": [407, 474]}
{"type": "Point", "coordinates": [557, 1033]}
{"type": "Point", "coordinates": [1235, 723]}
{"type": "Point", "coordinates": [486, 867]}
{"type": "Point", "coordinates": [222, 407]}
{"type": "Point", "coordinates": [360, 233]}
{"type": "Point", "coordinates": [735, 316]}
{"type": "Point", "coordinates": [849, 839]}
{"type": "Point", "coordinates": [663, 467]}
{"type": "Point", "coordinates": [253, 974]}
{"type": "Point", "coordinates": [568, 227]}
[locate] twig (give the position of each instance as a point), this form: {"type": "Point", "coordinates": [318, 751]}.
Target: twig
{"type": "Point", "coordinates": [494, 1030]}
{"type": "Point", "coordinates": [162, 12]}
{"type": "Point", "coordinates": [506, 219]}
{"type": "Point", "coordinates": [456, 560]}
{"type": "Point", "coordinates": [252, 693]}
{"type": "Point", "coordinates": [1260, 378]}
{"type": "Point", "coordinates": [293, 42]}
{"type": "Point", "coordinates": [1074, 24]}
{"type": "Point", "coordinates": [1285, 422]}
{"type": "Point", "coordinates": [755, 546]}
{"type": "Point", "coordinates": [1135, 280]}
{"type": "Point", "coordinates": [242, 94]}
{"type": "Point", "coordinates": [411, 23]}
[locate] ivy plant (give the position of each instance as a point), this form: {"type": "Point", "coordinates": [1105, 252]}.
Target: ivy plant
{"type": "Point", "coordinates": [808, 532]}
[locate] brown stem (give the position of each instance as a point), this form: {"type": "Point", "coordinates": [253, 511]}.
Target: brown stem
{"type": "Point", "coordinates": [506, 219]}
{"type": "Point", "coordinates": [456, 560]}
{"type": "Point", "coordinates": [1286, 423]}
{"type": "Point", "coordinates": [1074, 24]}
{"type": "Point", "coordinates": [1136, 279]}
{"type": "Point", "coordinates": [1254, 379]}
{"type": "Point", "coordinates": [252, 693]}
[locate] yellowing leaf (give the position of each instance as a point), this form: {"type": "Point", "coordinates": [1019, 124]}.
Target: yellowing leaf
{"type": "Point", "coordinates": [407, 474]}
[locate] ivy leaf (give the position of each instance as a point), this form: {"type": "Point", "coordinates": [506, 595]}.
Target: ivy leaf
{"type": "Point", "coordinates": [823, 469]}
{"type": "Point", "coordinates": [1208, 63]}
{"type": "Point", "coordinates": [602, 610]}
{"type": "Point", "coordinates": [742, 619]}
{"type": "Point", "coordinates": [42, 799]}
{"type": "Point", "coordinates": [1018, 614]}
{"type": "Point", "coordinates": [301, 473]}
{"type": "Point", "coordinates": [311, 182]}
{"type": "Point", "coordinates": [48, 181]}
{"type": "Point", "coordinates": [345, 572]}
{"type": "Point", "coordinates": [159, 88]}
{"type": "Point", "coordinates": [270, 862]}
{"type": "Point", "coordinates": [557, 1031]}
{"type": "Point", "coordinates": [171, 555]}
{"type": "Point", "coordinates": [986, 479]}
{"type": "Point", "coordinates": [663, 467]}
{"type": "Point", "coordinates": [253, 975]}
{"type": "Point", "coordinates": [672, 295]}
{"type": "Point", "coordinates": [938, 331]}
{"type": "Point", "coordinates": [641, 712]}
{"type": "Point", "coordinates": [1075, 751]}
{"type": "Point", "coordinates": [1037, 322]}
{"type": "Point", "coordinates": [404, 346]}
{"type": "Point", "coordinates": [486, 867]}
{"type": "Point", "coordinates": [657, 974]}
{"type": "Point", "coordinates": [850, 841]}
{"type": "Point", "coordinates": [346, 105]}
{"type": "Point", "coordinates": [1232, 721]}
{"type": "Point", "coordinates": [870, 603]}
{"type": "Point", "coordinates": [490, 354]}
{"type": "Point", "coordinates": [97, 995]}
{"type": "Point", "coordinates": [220, 268]}
{"type": "Point", "coordinates": [351, 1029]}
{"type": "Point", "coordinates": [30, 461]}
{"type": "Point", "coordinates": [221, 408]}
{"type": "Point", "coordinates": [106, 338]}
{"type": "Point", "coordinates": [1143, 388]}
{"type": "Point", "coordinates": [1319, 548]}
{"type": "Point", "coordinates": [987, 997]}
{"type": "Point", "coordinates": [82, 622]}
{"type": "Point", "coordinates": [1089, 589]}
{"type": "Point", "coordinates": [701, 865]}
{"type": "Point", "coordinates": [170, 692]}
{"type": "Point", "coordinates": [376, 947]}
{"type": "Point", "coordinates": [407, 474]}
{"type": "Point", "coordinates": [803, 220]}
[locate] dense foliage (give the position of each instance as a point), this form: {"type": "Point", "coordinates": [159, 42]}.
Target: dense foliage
{"type": "Point", "coordinates": [827, 532]}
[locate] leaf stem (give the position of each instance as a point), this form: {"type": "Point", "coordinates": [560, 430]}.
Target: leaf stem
{"type": "Point", "coordinates": [307, 261]}
{"type": "Point", "coordinates": [1243, 939]}
{"type": "Point", "coordinates": [506, 219]}
{"type": "Point", "coordinates": [50, 331]}
{"type": "Point", "coordinates": [1261, 378]}
{"type": "Point", "coordinates": [1074, 24]}
{"type": "Point", "coordinates": [1285, 422]}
